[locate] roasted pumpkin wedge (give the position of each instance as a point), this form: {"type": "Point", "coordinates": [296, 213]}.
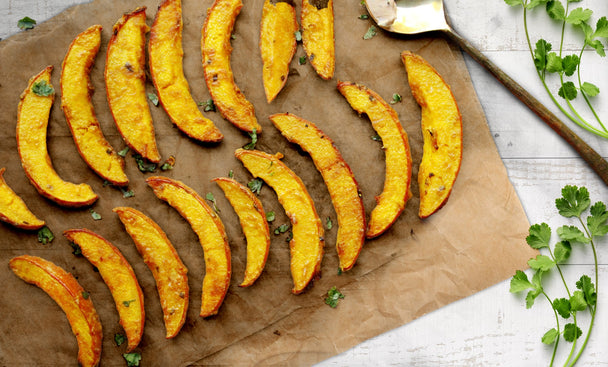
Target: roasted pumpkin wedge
{"type": "Point", "coordinates": [125, 77]}
{"type": "Point", "coordinates": [13, 209]}
{"type": "Point", "coordinates": [65, 290]}
{"type": "Point", "coordinates": [384, 119]}
{"type": "Point", "coordinates": [254, 224]}
{"type": "Point", "coordinates": [277, 44]}
{"type": "Point", "coordinates": [118, 275]}
{"type": "Point", "coordinates": [441, 130]}
{"type": "Point", "coordinates": [306, 245]}
{"type": "Point", "coordinates": [76, 103]}
{"type": "Point", "coordinates": [212, 236]}
{"type": "Point", "coordinates": [32, 123]}
{"type": "Point", "coordinates": [168, 270]}
{"type": "Point", "coordinates": [216, 50]}
{"type": "Point", "coordinates": [317, 21]}
{"type": "Point", "coordinates": [339, 179]}
{"type": "Point", "coordinates": [166, 68]}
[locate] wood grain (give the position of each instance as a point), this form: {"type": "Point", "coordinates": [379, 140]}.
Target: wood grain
{"type": "Point", "coordinates": [491, 328]}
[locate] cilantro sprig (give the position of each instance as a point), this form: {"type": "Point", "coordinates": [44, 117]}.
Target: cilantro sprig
{"type": "Point", "coordinates": [565, 69]}
{"type": "Point", "coordinates": [574, 203]}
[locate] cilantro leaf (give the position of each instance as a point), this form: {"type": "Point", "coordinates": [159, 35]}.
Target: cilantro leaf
{"type": "Point", "coordinates": [208, 105]}
{"type": "Point", "coordinates": [142, 165]}
{"type": "Point", "coordinates": [573, 201]}
{"type": "Point", "coordinates": [540, 54]}
{"type": "Point", "coordinates": [562, 251]}
{"type": "Point", "coordinates": [153, 98]}
{"type": "Point", "coordinates": [45, 235]}
{"type": "Point", "coordinates": [328, 223]}
{"type": "Point", "coordinates": [231, 174]}
{"type": "Point", "coordinates": [254, 139]}
{"type": "Point", "coordinates": [572, 332]}
{"type": "Point", "coordinates": [591, 90]}
{"type": "Point", "coordinates": [132, 359]}
{"type": "Point", "coordinates": [76, 250]}
{"type": "Point", "coordinates": [570, 63]}
{"type": "Point", "coordinates": [550, 336]}
{"type": "Point", "coordinates": [42, 88]}
{"type": "Point", "coordinates": [128, 303]}
{"type": "Point", "coordinates": [363, 16]}
{"type": "Point", "coordinates": [601, 28]}
{"type": "Point", "coordinates": [531, 296]}
{"type": "Point", "coordinates": [514, 2]}
{"type": "Point", "coordinates": [577, 301]}
{"type": "Point", "coordinates": [396, 98]}
{"type": "Point", "coordinates": [539, 236]}
{"type": "Point", "coordinates": [281, 229]}
{"type": "Point", "coordinates": [598, 47]}
{"type": "Point", "coordinates": [26, 23]}
{"type": "Point", "coordinates": [302, 60]}
{"type": "Point", "coordinates": [371, 32]}
{"type": "Point", "coordinates": [554, 63]}
{"type": "Point", "coordinates": [597, 221]}
{"type": "Point", "coordinates": [541, 262]}
{"type": "Point", "coordinates": [270, 216]}
{"type": "Point", "coordinates": [376, 138]}
{"type": "Point", "coordinates": [95, 215]}
{"type": "Point", "coordinates": [556, 10]}
{"type": "Point", "coordinates": [579, 15]}
{"type": "Point", "coordinates": [572, 234]}
{"type": "Point", "coordinates": [255, 185]}
{"type": "Point", "coordinates": [119, 339]}
{"type": "Point", "coordinates": [123, 153]}
{"type": "Point", "coordinates": [520, 282]}
{"type": "Point", "coordinates": [333, 296]}
{"type": "Point", "coordinates": [568, 91]}
{"type": "Point", "coordinates": [127, 193]}
{"type": "Point", "coordinates": [586, 285]}
{"type": "Point", "coordinates": [85, 295]}
{"type": "Point", "coordinates": [298, 36]}
{"type": "Point", "coordinates": [209, 196]}
{"type": "Point", "coordinates": [562, 306]}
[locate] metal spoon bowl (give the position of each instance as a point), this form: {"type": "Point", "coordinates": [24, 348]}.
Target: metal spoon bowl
{"type": "Point", "coordinates": [419, 16]}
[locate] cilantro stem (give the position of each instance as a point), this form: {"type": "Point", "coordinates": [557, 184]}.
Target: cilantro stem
{"type": "Point", "coordinates": [592, 309]}
{"type": "Point", "coordinates": [556, 326]}
{"type": "Point", "coordinates": [580, 86]}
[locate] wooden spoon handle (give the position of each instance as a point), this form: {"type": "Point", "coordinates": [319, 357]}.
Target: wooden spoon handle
{"type": "Point", "coordinates": [597, 163]}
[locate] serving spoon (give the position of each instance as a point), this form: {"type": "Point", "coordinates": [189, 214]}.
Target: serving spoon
{"type": "Point", "coordinates": [419, 16]}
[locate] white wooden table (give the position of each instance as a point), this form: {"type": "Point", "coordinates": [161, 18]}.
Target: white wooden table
{"type": "Point", "coordinates": [492, 327]}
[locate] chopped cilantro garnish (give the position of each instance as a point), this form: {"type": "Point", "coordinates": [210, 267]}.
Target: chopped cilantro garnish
{"type": "Point", "coordinates": [127, 303]}
{"type": "Point", "coordinates": [298, 35]}
{"type": "Point", "coordinates": [143, 165]}
{"type": "Point", "coordinates": [208, 105]}
{"type": "Point", "coordinates": [42, 88]}
{"type": "Point", "coordinates": [302, 60]}
{"type": "Point", "coordinates": [254, 139]}
{"type": "Point", "coordinates": [119, 339]}
{"type": "Point", "coordinates": [371, 31]}
{"type": "Point", "coordinates": [333, 296]}
{"type": "Point", "coordinates": [328, 223]}
{"type": "Point", "coordinates": [281, 229]}
{"type": "Point", "coordinates": [270, 216]}
{"type": "Point", "coordinates": [85, 295]}
{"type": "Point", "coordinates": [153, 98]}
{"type": "Point", "coordinates": [26, 23]}
{"type": "Point", "coordinates": [123, 153]}
{"type": "Point", "coordinates": [396, 98]}
{"type": "Point", "coordinates": [255, 185]}
{"type": "Point", "coordinates": [45, 235]}
{"type": "Point", "coordinates": [132, 359]}
{"type": "Point", "coordinates": [95, 215]}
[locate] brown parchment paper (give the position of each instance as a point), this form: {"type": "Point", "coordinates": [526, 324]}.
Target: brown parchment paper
{"type": "Point", "coordinates": [475, 241]}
